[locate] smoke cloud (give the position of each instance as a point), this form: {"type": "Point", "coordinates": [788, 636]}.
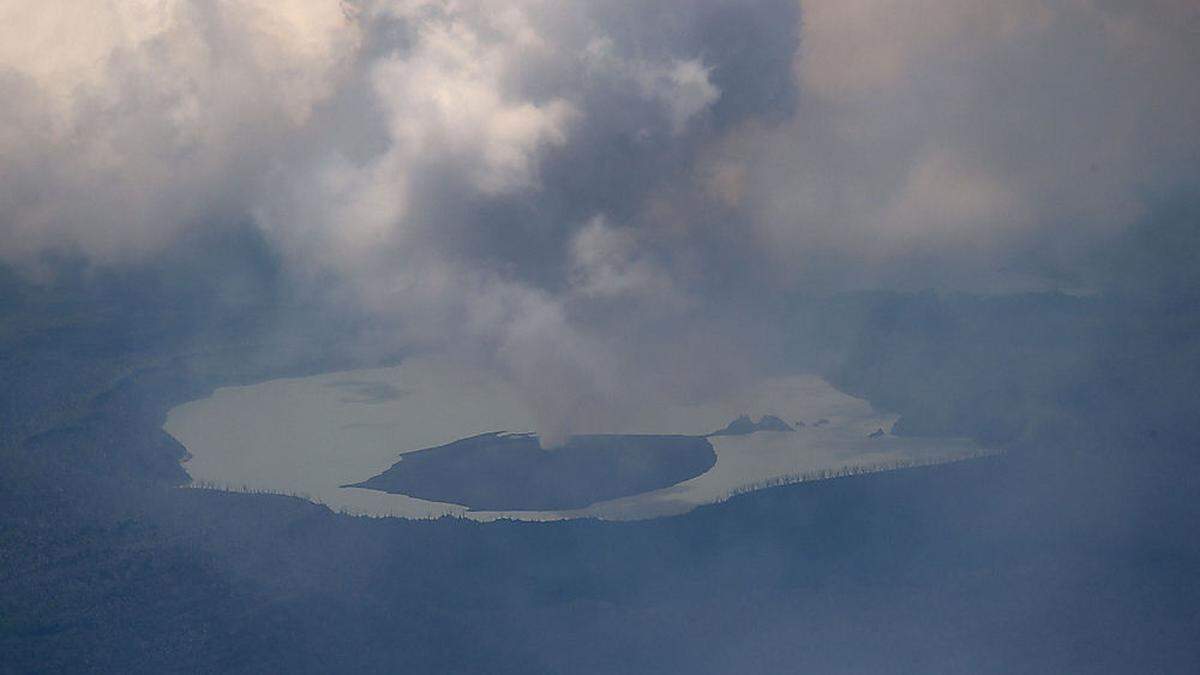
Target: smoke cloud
{"type": "Point", "coordinates": [594, 199]}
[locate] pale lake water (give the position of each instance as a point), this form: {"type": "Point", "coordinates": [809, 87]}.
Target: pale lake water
{"type": "Point", "coordinates": [307, 436]}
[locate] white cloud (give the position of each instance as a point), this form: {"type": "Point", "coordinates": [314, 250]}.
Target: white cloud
{"type": "Point", "coordinates": [127, 117]}
{"type": "Point", "coordinates": [682, 86]}
{"type": "Point", "coordinates": [445, 98]}
{"type": "Point", "coordinates": [609, 263]}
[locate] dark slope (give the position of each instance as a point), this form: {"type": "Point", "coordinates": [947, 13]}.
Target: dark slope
{"type": "Point", "coordinates": [511, 472]}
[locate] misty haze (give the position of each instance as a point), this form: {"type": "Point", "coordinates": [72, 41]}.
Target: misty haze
{"type": "Point", "coordinates": [574, 336]}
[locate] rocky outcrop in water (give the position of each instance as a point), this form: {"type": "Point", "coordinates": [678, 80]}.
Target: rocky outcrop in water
{"type": "Point", "coordinates": [743, 425]}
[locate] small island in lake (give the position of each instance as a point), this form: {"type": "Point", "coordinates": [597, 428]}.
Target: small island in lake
{"type": "Point", "coordinates": [511, 472]}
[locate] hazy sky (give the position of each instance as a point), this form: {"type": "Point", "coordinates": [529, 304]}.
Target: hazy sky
{"type": "Point", "coordinates": [582, 195]}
